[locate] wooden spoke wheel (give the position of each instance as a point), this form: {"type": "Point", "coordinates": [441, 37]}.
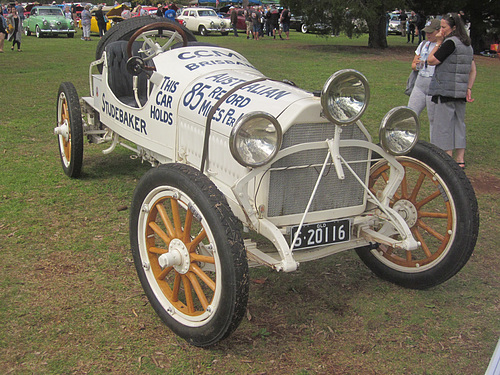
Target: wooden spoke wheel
{"type": "Point", "coordinates": [189, 254]}
{"type": "Point", "coordinates": [69, 129]}
{"type": "Point", "coordinates": [437, 202]}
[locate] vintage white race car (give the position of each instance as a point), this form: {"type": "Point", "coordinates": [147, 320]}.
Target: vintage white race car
{"type": "Point", "coordinates": [235, 151]}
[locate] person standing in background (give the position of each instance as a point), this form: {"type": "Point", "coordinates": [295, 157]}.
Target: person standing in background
{"type": "Point", "coordinates": [3, 31]}
{"type": "Point", "coordinates": [451, 86]}
{"type": "Point", "coordinates": [285, 21]}
{"type": "Point", "coordinates": [412, 21]}
{"type": "Point", "coordinates": [403, 18]}
{"type": "Point", "coordinates": [234, 20]}
{"type": "Point", "coordinates": [86, 19]}
{"type": "Point", "coordinates": [101, 21]}
{"type": "Point", "coordinates": [15, 29]}
{"type": "Point", "coordinates": [418, 97]}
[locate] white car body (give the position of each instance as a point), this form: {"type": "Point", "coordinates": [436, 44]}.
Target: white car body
{"type": "Point", "coordinates": [177, 110]}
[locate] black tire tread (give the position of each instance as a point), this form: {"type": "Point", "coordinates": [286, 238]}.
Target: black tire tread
{"type": "Point", "coordinates": [467, 225]}
{"type": "Point", "coordinates": [76, 162]}
{"type": "Point", "coordinates": [230, 225]}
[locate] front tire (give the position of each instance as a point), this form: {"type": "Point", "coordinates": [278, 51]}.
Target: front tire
{"type": "Point", "coordinates": [70, 134]}
{"type": "Point", "coordinates": [203, 30]}
{"type": "Point", "coordinates": [439, 205]}
{"type": "Point", "coordinates": [38, 32]}
{"type": "Point", "coordinates": [304, 29]}
{"type": "Point", "coordinates": [189, 253]}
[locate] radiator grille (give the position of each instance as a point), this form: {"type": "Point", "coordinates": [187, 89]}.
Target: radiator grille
{"type": "Point", "coordinates": [290, 189]}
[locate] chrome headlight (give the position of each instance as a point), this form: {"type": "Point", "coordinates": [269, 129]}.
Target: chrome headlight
{"type": "Point", "coordinates": [345, 97]}
{"type": "Point", "coordinates": [255, 139]}
{"type": "Point", "coordinates": [399, 131]}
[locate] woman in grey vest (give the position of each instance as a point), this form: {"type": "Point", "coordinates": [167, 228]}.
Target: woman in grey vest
{"type": "Point", "coordinates": [451, 86]}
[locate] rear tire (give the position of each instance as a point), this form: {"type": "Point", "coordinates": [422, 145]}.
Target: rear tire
{"type": "Point", "coordinates": [125, 29]}
{"type": "Point", "coordinates": [71, 144]}
{"type": "Point", "coordinates": [439, 205]}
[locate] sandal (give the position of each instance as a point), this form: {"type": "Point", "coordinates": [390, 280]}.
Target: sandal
{"type": "Point", "coordinates": [461, 165]}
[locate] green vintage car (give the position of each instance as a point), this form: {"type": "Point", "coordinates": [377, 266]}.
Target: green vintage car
{"type": "Point", "coordinates": [48, 20]}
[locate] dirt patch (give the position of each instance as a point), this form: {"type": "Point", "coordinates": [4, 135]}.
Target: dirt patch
{"type": "Point", "coordinates": [485, 183]}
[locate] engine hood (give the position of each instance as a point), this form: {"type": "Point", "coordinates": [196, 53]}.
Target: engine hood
{"type": "Point", "coordinates": [206, 76]}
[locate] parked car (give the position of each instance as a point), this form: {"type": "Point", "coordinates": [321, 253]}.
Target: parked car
{"type": "Point", "coordinates": [301, 24]}
{"type": "Point", "coordinates": [233, 150]}
{"type": "Point", "coordinates": [150, 10]}
{"type": "Point", "coordinates": [48, 20]}
{"type": "Point", "coordinates": [113, 15]}
{"type": "Point", "coordinates": [240, 23]}
{"type": "Point", "coordinates": [395, 22]}
{"type": "Point", "coordinates": [203, 21]}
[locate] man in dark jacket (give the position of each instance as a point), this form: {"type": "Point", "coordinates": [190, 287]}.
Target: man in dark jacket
{"type": "Point", "coordinates": [234, 20]}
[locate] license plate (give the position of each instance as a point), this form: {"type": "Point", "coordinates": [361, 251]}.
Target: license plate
{"type": "Point", "coordinates": [320, 234]}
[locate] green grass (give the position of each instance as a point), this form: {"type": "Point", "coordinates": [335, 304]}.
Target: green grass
{"type": "Point", "coordinates": [70, 301]}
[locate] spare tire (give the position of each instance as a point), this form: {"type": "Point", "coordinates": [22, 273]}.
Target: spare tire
{"type": "Point", "coordinates": [126, 28]}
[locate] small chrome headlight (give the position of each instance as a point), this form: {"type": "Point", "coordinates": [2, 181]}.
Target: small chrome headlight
{"type": "Point", "coordinates": [255, 139]}
{"type": "Point", "coordinates": [399, 131]}
{"type": "Point", "coordinates": [345, 97]}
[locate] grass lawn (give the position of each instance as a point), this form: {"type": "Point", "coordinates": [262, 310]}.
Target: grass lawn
{"type": "Point", "coordinates": [70, 300]}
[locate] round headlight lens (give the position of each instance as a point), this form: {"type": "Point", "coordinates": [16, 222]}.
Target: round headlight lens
{"type": "Point", "coordinates": [255, 139]}
{"type": "Point", "coordinates": [345, 96]}
{"type": "Point", "coordinates": [399, 131]}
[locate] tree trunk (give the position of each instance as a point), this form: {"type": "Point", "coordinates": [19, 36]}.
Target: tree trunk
{"type": "Point", "coordinates": [377, 32]}
{"type": "Point", "coordinates": [478, 32]}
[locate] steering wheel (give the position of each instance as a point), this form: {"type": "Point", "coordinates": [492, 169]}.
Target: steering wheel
{"type": "Point", "coordinates": [150, 48]}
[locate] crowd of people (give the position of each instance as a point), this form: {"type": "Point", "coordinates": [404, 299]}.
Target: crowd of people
{"type": "Point", "coordinates": [262, 21]}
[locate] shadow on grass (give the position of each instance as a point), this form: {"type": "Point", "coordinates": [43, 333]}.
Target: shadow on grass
{"type": "Point", "coordinates": [98, 166]}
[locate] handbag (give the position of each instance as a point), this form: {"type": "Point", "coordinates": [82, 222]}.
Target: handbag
{"type": "Point", "coordinates": [410, 83]}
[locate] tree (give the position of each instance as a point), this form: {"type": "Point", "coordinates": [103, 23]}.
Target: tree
{"type": "Point", "coordinates": [344, 13]}
{"type": "Point", "coordinates": [484, 16]}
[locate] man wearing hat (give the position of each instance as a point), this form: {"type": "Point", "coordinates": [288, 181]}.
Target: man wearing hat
{"type": "Point", "coordinates": [418, 97]}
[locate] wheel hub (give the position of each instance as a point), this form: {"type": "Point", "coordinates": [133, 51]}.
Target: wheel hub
{"type": "Point", "coordinates": [177, 257]}
{"type": "Point", "coordinates": [62, 130]}
{"type": "Point", "coordinates": [407, 211]}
